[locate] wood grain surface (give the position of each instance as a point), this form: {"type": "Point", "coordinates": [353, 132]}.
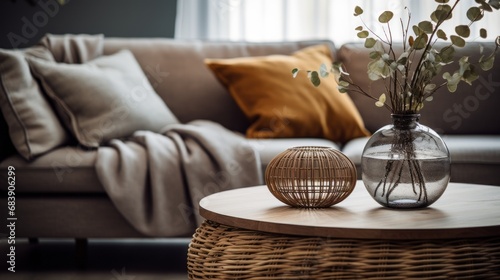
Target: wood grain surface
{"type": "Point", "coordinates": [464, 211]}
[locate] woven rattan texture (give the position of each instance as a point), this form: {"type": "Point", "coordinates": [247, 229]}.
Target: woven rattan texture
{"type": "Point", "coordinates": [221, 252]}
{"type": "Point", "coordinates": [311, 176]}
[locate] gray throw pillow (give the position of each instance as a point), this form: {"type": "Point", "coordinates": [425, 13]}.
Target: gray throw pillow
{"type": "Point", "coordinates": [33, 126]}
{"type": "Point", "coordinates": [106, 98]}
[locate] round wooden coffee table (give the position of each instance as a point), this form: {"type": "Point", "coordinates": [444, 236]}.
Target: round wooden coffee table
{"type": "Point", "coordinates": [249, 234]}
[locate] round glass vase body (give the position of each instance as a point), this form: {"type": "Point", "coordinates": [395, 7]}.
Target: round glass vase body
{"type": "Point", "coordinates": [405, 164]}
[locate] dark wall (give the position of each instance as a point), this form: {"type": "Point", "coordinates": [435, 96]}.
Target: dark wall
{"type": "Point", "coordinates": [24, 22]}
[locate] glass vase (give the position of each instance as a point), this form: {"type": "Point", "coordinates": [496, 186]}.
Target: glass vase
{"type": "Point", "coordinates": [405, 164]}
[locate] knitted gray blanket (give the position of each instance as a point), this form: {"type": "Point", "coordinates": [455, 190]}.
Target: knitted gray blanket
{"type": "Point", "coordinates": [156, 180]}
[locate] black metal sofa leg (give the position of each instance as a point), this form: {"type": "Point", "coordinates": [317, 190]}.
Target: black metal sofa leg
{"type": "Point", "coordinates": [81, 252]}
{"type": "Point", "coordinates": [33, 240]}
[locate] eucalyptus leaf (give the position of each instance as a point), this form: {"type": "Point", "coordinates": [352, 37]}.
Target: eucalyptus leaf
{"type": "Point", "coordinates": [426, 26]}
{"type": "Point", "coordinates": [420, 42]}
{"type": "Point", "coordinates": [379, 68]}
{"type": "Point", "coordinates": [442, 13]}
{"type": "Point", "coordinates": [379, 47]}
{"type": "Point", "coordinates": [373, 76]}
{"type": "Point", "coordinates": [358, 11]}
{"type": "Point", "coordinates": [438, 15]}
{"type": "Point", "coordinates": [370, 42]}
{"type": "Point", "coordinates": [472, 78]}
{"type": "Point", "coordinates": [463, 31]}
{"type": "Point", "coordinates": [385, 17]}
{"type": "Point", "coordinates": [452, 87]}
{"type": "Point", "coordinates": [402, 60]}
{"type": "Point", "coordinates": [314, 77]}
{"type": "Point", "coordinates": [429, 88]}
{"type": "Point", "coordinates": [486, 7]}
{"type": "Point", "coordinates": [474, 14]}
{"type": "Point", "coordinates": [457, 41]}
{"type": "Point", "coordinates": [441, 34]}
{"type": "Point", "coordinates": [336, 71]}
{"type": "Point", "coordinates": [381, 100]}
{"type": "Point", "coordinates": [495, 4]}
{"type": "Point", "coordinates": [470, 75]}
{"type": "Point", "coordinates": [447, 8]}
{"type": "Point", "coordinates": [430, 58]}
{"type": "Point", "coordinates": [343, 83]}
{"type": "Point", "coordinates": [323, 71]}
{"type": "Point", "coordinates": [419, 106]}
{"type": "Point", "coordinates": [363, 34]}
{"type": "Point", "coordinates": [464, 65]}
{"type": "Point", "coordinates": [486, 64]}
{"type": "Point", "coordinates": [483, 33]}
{"type": "Point", "coordinates": [417, 30]}
{"type": "Point", "coordinates": [403, 56]}
{"type": "Point", "coordinates": [375, 55]}
{"type": "Point", "coordinates": [447, 54]}
{"type": "Point", "coordinates": [342, 89]}
{"type": "Point", "coordinates": [452, 80]}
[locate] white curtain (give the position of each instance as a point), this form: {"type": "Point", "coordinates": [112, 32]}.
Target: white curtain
{"type": "Point", "coordinates": [277, 20]}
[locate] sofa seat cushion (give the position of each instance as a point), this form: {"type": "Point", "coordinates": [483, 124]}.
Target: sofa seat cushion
{"type": "Point", "coordinates": [69, 170]}
{"type": "Point", "coordinates": [269, 148]}
{"type": "Point", "coordinates": [481, 149]}
{"type": "Point", "coordinates": [474, 158]}
{"type": "Point", "coordinates": [63, 170]}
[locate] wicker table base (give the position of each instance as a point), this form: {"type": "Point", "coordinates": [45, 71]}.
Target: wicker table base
{"type": "Point", "coordinates": [222, 252]}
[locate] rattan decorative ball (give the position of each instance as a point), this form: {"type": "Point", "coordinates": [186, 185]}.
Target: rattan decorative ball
{"type": "Point", "coordinates": [311, 176]}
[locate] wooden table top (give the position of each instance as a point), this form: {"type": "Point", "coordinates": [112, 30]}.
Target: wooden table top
{"type": "Point", "coordinates": [463, 211]}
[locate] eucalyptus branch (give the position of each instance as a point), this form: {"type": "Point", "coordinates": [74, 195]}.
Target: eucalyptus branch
{"type": "Point", "coordinates": [388, 37]}
{"type": "Point", "coordinates": [408, 78]}
{"type": "Point", "coordinates": [358, 89]}
{"type": "Point", "coordinates": [373, 33]}
{"type": "Point", "coordinates": [405, 31]}
{"type": "Point", "coordinates": [428, 45]}
{"type": "Point", "coordinates": [431, 93]}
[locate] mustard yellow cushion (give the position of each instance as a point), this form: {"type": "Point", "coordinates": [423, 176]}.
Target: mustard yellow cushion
{"type": "Point", "coordinates": [280, 106]}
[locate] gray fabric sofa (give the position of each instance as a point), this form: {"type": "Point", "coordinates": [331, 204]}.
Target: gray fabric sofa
{"type": "Point", "coordinates": [58, 194]}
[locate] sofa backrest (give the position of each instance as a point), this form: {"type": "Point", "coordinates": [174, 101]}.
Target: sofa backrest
{"type": "Point", "coordinates": [469, 110]}
{"type": "Point", "coordinates": [177, 71]}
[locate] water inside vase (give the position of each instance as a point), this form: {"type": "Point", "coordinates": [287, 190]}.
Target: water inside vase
{"type": "Point", "coordinates": [393, 181]}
